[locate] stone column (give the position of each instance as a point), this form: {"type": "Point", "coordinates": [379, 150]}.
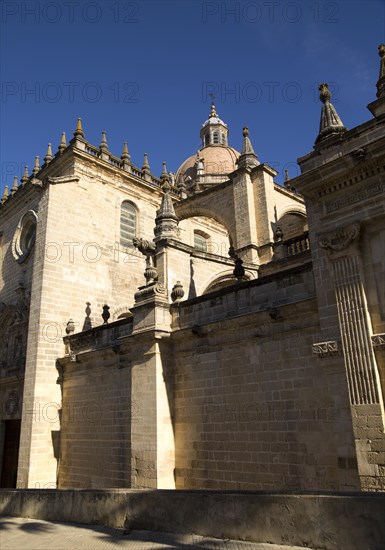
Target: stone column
{"type": "Point", "coordinates": [365, 393]}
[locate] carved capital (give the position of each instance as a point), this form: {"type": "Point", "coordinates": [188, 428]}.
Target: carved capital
{"type": "Point", "coordinates": [324, 349]}
{"type": "Point", "coordinates": [152, 290]}
{"type": "Point", "coordinates": [340, 240]}
{"type": "Point", "coordinates": [378, 341]}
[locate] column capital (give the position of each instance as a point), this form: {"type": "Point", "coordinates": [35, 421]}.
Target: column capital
{"type": "Point", "coordinates": [340, 239]}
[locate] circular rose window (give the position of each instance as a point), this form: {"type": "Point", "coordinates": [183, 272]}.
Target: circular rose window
{"type": "Point", "coordinates": [24, 237]}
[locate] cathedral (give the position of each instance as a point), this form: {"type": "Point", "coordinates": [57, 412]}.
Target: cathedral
{"type": "Point", "coordinates": [205, 329]}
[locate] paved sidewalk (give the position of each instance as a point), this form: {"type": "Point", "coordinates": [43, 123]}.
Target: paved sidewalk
{"type": "Point", "coordinates": [35, 534]}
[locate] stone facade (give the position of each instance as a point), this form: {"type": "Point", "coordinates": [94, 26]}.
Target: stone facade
{"type": "Point", "coordinates": [241, 348]}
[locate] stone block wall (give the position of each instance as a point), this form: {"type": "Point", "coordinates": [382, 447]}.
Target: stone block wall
{"type": "Point", "coordinates": [253, 407]}
{"type": "Point", "coordinates": [234, 391]}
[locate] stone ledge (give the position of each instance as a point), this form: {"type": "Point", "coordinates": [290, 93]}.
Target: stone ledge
{"type": "Point", "coordinates": [326, 521]}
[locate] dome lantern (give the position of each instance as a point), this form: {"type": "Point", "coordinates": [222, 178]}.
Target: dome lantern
{"type": "Point", "coordinates": [214, 131]}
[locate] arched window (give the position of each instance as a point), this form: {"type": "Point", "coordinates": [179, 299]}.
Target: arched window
{"type": "Point", "coordinates": [216, 137]}
{"type": "Point", "coordinates": [207, 139]}
{"type": "Point", "coordinates": [200, 241]}
{"type": "Point", "coordinates": [223, 139]}
{"type": "Point", "coordinates": [127, 223]}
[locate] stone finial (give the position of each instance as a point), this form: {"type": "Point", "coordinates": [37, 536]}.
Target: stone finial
{"type": "Point", "coordinates": [325, 94]}
{"type": "Point", "coordinates": [48, 157]}
{"type": "Point", "coordinates": [381, 79]}
{"type": "Point", "coordinates": [278, 235]}
{"type": "Point", "coordinates": [164, 175]}
{"type": "Point", "coordinates": [200, 165]}
{"type": "Point", "coordinates": [172, 178]}
{"type": "Point", "coordinates": [182, 189]}
{"type": "Point", "coordinates": [147, 248]}
{"type": "Point", "coordinates": [146, 166]}
{"type": "Point", "coordinates": [166, 222]}
{"type": "Point", "coordinates": [125, 155]}
{"type": "Point", "coordinates": [5, 195]}
{"type": "Point", "coordinates": [25, 177]}
{"type": "Point", "coordinates": [213, 112]}
{"type": "Point", "coordinates": [70, 328]}
{"type": "Point", "coordinates": [239, 270]}
{"type": "Point", "coordinates": [106, 313]}
{"type": "Point", "coordinates": [103, 144]}
{"type": "Point", "coordinates": [63, 143]}
{"type": "Point", "coordinates": [36, 167]}
{"type": "Point", "coordinates": [15, 185]}
{"type": "Point", "coordinates": [79, 133]}
{"type": "Point", "coordinates": [177, 292]}
{"type": "Point", "coordinates": [287, 178]}
{"type": "Point", "coordinates": [330, 121]}
{"type": "Point", "coordinates": [377, 107]}
{"type": "Point", "coordinates": [247, 158]}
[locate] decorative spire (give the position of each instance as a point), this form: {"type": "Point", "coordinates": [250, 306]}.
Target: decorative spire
{"type": "Point", "coordinates": [213, 112]}
{"type": "Point", "coordinates": [166, 222]}
{"type": "Point", "coordinates": [248, 158]}
{"type": "Point", "coordinates": [36, 168]}
{"type": "Point", "coordinates": [287, 183]}
{"type": "Point", "coordinates": [63, 143]}
{"type": "Point", "coordinates": [330, 121]}
{"type": "Point", "coordinates": [164, 177]}
{"type": "Point", "coordinates": [247, 148]}
{"type": "Point", "coordinates": [214, 131]}
{"type": "Point", "coordinates": [15, 185]}
{"type": "Point", "coordinates": [5, 195]}
{"type": "Point", "coordinates": [287, 177]}
{"type": "Point", "coordinates": [103, 144]}
{"type": "Point", "coordinates": [79, 129]}
{"type": "Point", "coordinates": [146, 166]}
{"type": "Point", "coordinates": [377, 107]}
{"type": "Point", "coordinates": [48, 157]}
{"type": "Point", "coordinates": [381, 79]}
{"type": "Point", "coordinates": [125, 155]}
{"type": "Point", "coordinates": [25, 177]}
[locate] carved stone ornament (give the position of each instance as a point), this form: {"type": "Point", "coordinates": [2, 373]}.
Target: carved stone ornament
{"type": "Point", "coordinates": [12, 403]}
{"type": "Point", "coordinates": [378, 341]}
{"type": "Point", "coordinates": [177, 292]}
{"type": "Point", "coordinates": [341, 238]}
{"type": "Point", "coordinates": [323, 349]}
{"type": "Point", "coordinates": [149, 291]}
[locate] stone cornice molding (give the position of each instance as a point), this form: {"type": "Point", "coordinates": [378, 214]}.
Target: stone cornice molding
{"type": "Point", "coordinates": [326, 349]}
{"type": "Point", "coordinates": [341, 172]}
{"type": "Point", "coordinates": [63, 179]}
{"type": "Point", "coordinates": [378, 341]}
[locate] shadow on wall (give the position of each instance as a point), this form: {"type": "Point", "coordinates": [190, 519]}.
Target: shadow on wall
{"type": "Point", "coordinates": [325, 521]}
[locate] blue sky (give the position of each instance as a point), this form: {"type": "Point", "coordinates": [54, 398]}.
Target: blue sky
{"type": "Point", "coordinates": [142, 71]}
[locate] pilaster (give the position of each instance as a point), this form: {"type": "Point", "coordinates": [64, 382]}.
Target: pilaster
{"type": "Point", "coordinates": [245, 217]}
{"type": "Point", "coordinates": [362, 373]}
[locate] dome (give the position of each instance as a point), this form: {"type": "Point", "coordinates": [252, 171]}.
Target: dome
{"type": "Point", "coordinates": [214, 120]}
{"type": "Point", "coordinates": [218, 162]}
{"type": "Point", "coordinates": [214, 161]}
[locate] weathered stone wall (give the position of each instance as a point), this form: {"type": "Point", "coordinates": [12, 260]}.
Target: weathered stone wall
{"type": "Point", "coordinates": [249, 405]}
{"type": "Point", "coordinates": [323, 521]}
{"type": "Point", "coordinates": [119, 432]}
{"type": "Point", "coordinates": [253, 407]}
{"type": "Point", "coordinates": [77, 259]}
{"type": "Point", "coordinates": [344, 192]}
{"type": "Point", "coordinates": [96, 417]}
{"type": "Point", "coordinates": [14, 328]}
